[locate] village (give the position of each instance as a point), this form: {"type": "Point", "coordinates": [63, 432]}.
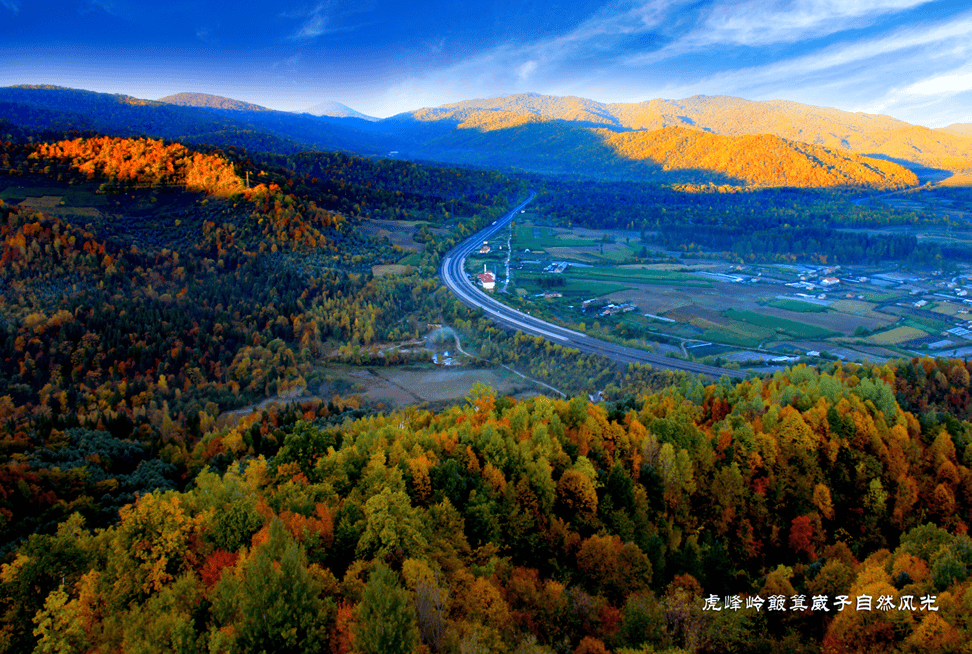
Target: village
{"type": "Point", "coordinates": [719, 310]}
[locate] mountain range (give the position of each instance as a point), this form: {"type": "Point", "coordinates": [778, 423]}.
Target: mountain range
{"type": "Point", "coordinates": [699, 140]}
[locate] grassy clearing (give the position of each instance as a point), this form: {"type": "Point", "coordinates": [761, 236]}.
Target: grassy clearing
{"type": "Point", "coordinates": [895, 336]}
{"type": "Point", "coordinates": [797, 305]}
{"type": "Point", "coordinates": [412, 259]}
{"type": "Point", "coordinates": [789, 327]}
{"type": "Point", "coordinates": [388, 269]}
{"type": "Point", "coordinates": [529, 236]}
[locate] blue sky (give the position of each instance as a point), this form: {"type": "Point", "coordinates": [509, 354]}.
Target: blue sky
{"type": "Point", "coordinates": [911, 59]}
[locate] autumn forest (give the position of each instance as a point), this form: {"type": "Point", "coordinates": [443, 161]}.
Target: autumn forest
{"type": "Point", "coordinates": [152, 499]}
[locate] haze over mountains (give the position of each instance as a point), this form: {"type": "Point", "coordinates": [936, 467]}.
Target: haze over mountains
{"type": "Point", "coordinates": [337, 110]}
{"type": "Point", "coordinates": [700, 140]}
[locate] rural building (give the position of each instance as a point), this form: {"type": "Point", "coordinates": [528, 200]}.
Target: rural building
{"type": "Point", "coordinates": [488, 279]}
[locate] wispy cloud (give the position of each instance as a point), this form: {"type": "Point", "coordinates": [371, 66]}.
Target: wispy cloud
{"type": "Point", "coordinates": [758, 23]}
{"type": "Point", "coordinates": [521, 66]}
{"type": "Point", "coordinates": [327, 17]}
{"type": "Point", "coordinates": [841, 56]}
{"type": "Point", "coordinates": [899, 72]}
{"type": "Point", "coordinates": [764, 22]}
{"type": "Point", "coordinates": [315, 22]}
{"type": "Point", "coordinates": [12, 5]}
{"type": "Point", "coordinates": [112, 7]}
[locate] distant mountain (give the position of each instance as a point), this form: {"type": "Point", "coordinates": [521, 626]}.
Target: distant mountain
{"type": "Point", "coordinates": [913, 146]}
{"type": "Point", "coordinates": [262, 130]}
{"type": "Point", "coordinates": [337, 110]}
{"type": "Point", "coordinates": [959, 129]}
{"type": "Point", "coordinates": [206, 101]}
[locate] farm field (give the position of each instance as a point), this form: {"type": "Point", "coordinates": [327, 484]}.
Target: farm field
{"type": "Point", "coordinates": [705, 307]}
{"type": "Point", "coordinates": [638, 274]}
{"type": "Point", "coordinates": [797, 306]}
{"type": "Point", "coordinates": [896, 335]}
{"type": "Point", "coordinates": [833, 321]}
{"type": "Point", "coordinates": [791, 327]}
{"type": "Point", "coordinates": [949, 308]}
{"type": "Point", "coordinates": [578, 288]}
{"type": "Point", "coordinates": [861, 308]}
{"type": "Point", "coordinates": [581, 245]}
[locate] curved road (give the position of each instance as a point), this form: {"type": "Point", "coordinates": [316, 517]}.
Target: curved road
{"type": "Point", "coordinates": [454, 275]}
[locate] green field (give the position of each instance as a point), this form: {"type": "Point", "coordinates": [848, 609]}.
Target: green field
{"type": "Point", "coordinates": [523, 238]}
{"type": "Point", "coordinates": [639, 275]}
{"type": "Point", "coordinates": [789, 327]}
{"type": "Point", "coordinates": [742, 334]}
{"type": "Point", "coordinates": [587, 289]}
{"type": "Point", "coordinates": [797, 305]}
{"type": "Point", "coordinates": [411, 259]}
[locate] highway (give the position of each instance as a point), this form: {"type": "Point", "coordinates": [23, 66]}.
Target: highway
{"type": "Point", "coordinates": [455, 278]}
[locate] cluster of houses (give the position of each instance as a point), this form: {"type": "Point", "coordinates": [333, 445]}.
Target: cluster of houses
{"type": "Point", "coordinates": [607, 309]}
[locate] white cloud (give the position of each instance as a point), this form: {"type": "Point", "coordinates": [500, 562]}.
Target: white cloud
{"type": "Point", "coordinates": [948, 84]}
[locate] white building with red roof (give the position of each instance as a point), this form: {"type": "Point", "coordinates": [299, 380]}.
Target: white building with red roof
{"type": "Point", "coordinates": [488, 279]}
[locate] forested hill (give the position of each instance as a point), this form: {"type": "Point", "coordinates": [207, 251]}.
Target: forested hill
{"type": "Point", "coordinates": [700, 519]}
{"type": "Point", "coordinates": [857, 133]}
{"type": "Point", "coordinates": [758, 161]}
{"type": "Point", "coordinates": [208, 101]}
{"type": "Point", "coordinates": [145, 290]}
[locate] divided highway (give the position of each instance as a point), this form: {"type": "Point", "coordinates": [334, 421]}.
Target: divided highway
{"type": "Point", "coordinates": [454, 275]}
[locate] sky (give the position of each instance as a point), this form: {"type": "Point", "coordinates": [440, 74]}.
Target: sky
{"type": "Point", "coordinates": [911, 59]}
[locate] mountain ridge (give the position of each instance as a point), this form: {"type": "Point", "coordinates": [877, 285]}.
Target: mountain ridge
{"type": "Point", "coordinates": [550, 134]}
{"type": "Point", "coordinates": [856, 132]}
{"type": "Point", "coordinates": [208, 101]}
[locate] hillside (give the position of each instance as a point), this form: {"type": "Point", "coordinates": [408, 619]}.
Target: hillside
{"type": "Point", "coordinates": [959, 129]}
{"type": "Point", "coordinates": [760, 160]}
{"type": "Point", "coordinates": [859, 133]}
{"type": "Point", "coordinates": [206, 101]}
{"type": "Point", "coordinates": [674, 155]}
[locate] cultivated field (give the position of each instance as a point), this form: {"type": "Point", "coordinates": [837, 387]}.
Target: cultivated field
{"type": "Point", "coordinates": [896, 335]}
{"type": "Point", "coordinates": [756, 312]}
